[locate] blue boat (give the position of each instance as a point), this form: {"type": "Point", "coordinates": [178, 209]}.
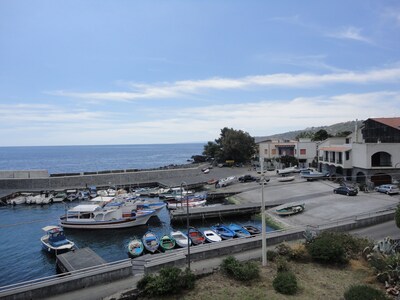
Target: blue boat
{"type": "Point", "coordinates": [54, 241]}
{"type": "Point", "coordinates": [239, 230]}
{"type": "Point", "coordinates": [151, 241]}
{"type": "Point", "coordinates": [223, 231]}
{"type": "Point", "coordinates": [135, 248]}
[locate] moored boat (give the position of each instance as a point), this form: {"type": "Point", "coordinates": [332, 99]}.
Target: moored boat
{"type": "Point", "coordinates": [54, 241]}
{"type": "Point", "coordinates": [196, 236]}
{"type": "Point", "coordinates": [167, 243]}
{"type": "Point", "coordinates": [150, 241]}
{"type": "Point", "coordinates": [285, 178]}
{"type": "Point", "coordinates": [211, 236]}
{"type": "Point", "coordinates": [180, 238]}
{"type": "Point", "coordinates": [135, 248]}
{"type": "Point", "coordinates": [89, 216]}
{"type": "Point", "coordinates": [223, 231]}
{"type": "Point", "coordinates": [253, 230]}
{"type": "Point", "coordinates": [287, 210]}
{"type": "Point", "coordinates": [239, 230]}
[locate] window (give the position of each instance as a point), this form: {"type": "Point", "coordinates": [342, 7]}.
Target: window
{"type": "Point", "coordinates": [265, 151]}
{"type": "Point", "coordinates": [273, 151]}
{"type": "Point", "coordinates": [302, 151]}
{"type": "Point", "coordinates": [347, 155]}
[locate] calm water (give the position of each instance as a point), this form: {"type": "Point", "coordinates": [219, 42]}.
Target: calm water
{"type": "Point", "coordinates": [21, 257]}
{"type": "Point", "coordinates": [71, 159]}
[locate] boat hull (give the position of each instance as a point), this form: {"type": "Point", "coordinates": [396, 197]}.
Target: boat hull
{"type": "Point", "coordinates": [122, 223]}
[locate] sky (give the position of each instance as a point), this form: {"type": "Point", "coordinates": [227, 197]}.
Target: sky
{"type": "Point", "coordinates": [99, 72]}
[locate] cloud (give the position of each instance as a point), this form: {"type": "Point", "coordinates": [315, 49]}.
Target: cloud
{"type": "Point", "coordinates": [41, 124]}
{"type": "Point", "coordinates": [351, 33]}
{"type": "Point", "coordinates": [280, 80]}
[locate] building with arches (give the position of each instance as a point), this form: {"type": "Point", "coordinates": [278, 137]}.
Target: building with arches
{"type": "Point", "coordinates": [370, 155]}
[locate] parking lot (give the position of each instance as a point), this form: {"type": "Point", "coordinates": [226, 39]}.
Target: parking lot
{"type": "Point", "coordinates": [322, 206]}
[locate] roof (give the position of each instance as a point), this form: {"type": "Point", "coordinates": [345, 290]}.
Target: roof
{"type": "Point", "coordinates": [85, 208]}
{"type": "Point", "coordinates": [391, 122]}
{"type": "Point", "coordinates": [335, 148]}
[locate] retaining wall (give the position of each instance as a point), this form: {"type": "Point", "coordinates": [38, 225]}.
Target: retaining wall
{"type": "Point", "coordinates": [81, 181]}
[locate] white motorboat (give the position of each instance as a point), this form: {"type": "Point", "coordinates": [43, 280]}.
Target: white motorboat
{"type": "Point", "coordinates": [55, 241]}
{"type": "Point", "coordinates": [287, 170]}
{"type": "Point", "coordinates": [226, 181]}
{"type": "Point", "coordinates": [181, 239]}
{"type": "Point", "coordinates": [212, 236]}
{"type": "Point", "coordinates": [92, 216]}
{"type": "Point", "coordinates": [59, 197]}
{"type": "Point", "coordinates": [285, 178]}
{"type": "Point", "coordinates": [21, 199]}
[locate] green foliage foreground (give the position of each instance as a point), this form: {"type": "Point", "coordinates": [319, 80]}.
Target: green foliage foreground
{"type": "Point", "coordinates": [170, 281]}
{"type": "Point", "coordinates": [364, 292]}
{"type": "Point", "coordinates": [242, 271]}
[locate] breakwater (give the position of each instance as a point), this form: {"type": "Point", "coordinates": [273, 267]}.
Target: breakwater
{"type": "Point", "coordinates": [191, 175]}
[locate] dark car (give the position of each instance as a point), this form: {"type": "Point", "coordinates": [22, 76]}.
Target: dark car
{"type": "Point", "coordinates": [346, 190]}
{"type": "Point", "coordinates": [246, 178]}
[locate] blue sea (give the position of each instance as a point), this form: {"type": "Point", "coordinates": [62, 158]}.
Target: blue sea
{"type": "Point", "coordinates": [21, 257]}
{"type": "Point", "coordinates": [77, 159]}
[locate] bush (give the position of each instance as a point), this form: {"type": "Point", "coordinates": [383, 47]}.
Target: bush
{"type": "Point", "coordinates": [246, 271]}
{"type": "Point", "coordinates": [281, 264]}
{"type": "Point", "coordinates": [171, 280]}
{"type": "Point", "coordinates": [271, 255]}
{"type": "Point", "coordinates": [327, 249]}
{"type": "Point", "coordinates": [364, 292]}
{"type": "Point", "coordinates": [285, 283]}
{"type": "Point", "coordinates": [300, 253]}
{"type": "Point", "coordinates": [284, 250]}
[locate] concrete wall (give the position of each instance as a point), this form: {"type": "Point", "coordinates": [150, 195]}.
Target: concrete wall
{"type": "Point", "coordinates": [80, 181]}
{"type": "Point", "coordinates": [66, 283]}
{"type": "Point", "coordinates": [24, 174]}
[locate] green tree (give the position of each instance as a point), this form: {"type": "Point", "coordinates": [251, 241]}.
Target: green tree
{"type": "Point", "coordinates": [289, 161]}
{"type": "Point", "coordinates": [342, 133]}
{"type": "Point", "coordinates": [232, 144]}
{"type": "Point", "coordinates": [305, 135]}
{"type": "Point", "coordinates": [321, 135]}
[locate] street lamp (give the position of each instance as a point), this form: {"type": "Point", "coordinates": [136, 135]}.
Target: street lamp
{"type": "Point", "coordinates": [263, 225]}
{"type": "Point", "coordinates": [187, 221]}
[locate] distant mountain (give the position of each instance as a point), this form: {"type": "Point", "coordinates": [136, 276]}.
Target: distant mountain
{"type": "Point", "coordinates": [332, 129]}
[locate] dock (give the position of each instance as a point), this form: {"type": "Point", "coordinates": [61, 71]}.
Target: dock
{"type": "Point", "coordinates": [78, 259]}
{"type": "Point", "coordinates": [207, 212]}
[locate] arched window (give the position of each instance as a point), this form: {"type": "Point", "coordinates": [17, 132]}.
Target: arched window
{"type": "Point", "coordinates": [381, 159]}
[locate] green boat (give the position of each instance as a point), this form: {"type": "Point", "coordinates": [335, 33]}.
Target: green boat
{"type": "Point", "coordinates": [167, 243]}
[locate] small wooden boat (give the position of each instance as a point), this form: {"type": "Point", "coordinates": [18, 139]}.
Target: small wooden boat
{"type": "Point", "coordinates": [211, 236]}
{"type": "Point", "coordinates": [252, 229]}
{"type": "Point", "coordinates": [180, 238]}
{"type": "Point", "coordinates": [239, 230]}
{"type": "Point", "coordinates": [223, 231]}
{"type": "Point", "coordinates": [290, 209]}
{"type": "Point", "coordinates": [150, 241]}
{"type": "Point", "coordinates": [196, 236]}
{"type": "Point", "coordinates": [135, 248]}
{"type": "Point", "coordinates": [54, 241]}
{"type": "Point", "coordinates": [167, 243]}
{"type": "Point", "coordinates": [285, 178]}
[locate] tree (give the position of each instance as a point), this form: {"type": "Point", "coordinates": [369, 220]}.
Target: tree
{"type": "Point", "coordinates": [342, 133]}
{"type": "Point", "coordinates": [305, 135]}
{"type": "Point", "coordinates": [232, 144]}
{"type": "Point", "coordinates": [321, 135]}
{"type": "Point", "coordinates": [288, 161]}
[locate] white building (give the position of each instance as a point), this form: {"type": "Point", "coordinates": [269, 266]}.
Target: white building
{"type": "Point", "coordinates": [371, 154]}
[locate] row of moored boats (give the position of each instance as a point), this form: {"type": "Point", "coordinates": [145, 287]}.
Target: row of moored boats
{"type": "Point", "coordinates": [151, 243]}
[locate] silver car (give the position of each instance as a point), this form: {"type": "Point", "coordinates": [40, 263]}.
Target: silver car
{"type": "Point", "coordinates": [389, 189]}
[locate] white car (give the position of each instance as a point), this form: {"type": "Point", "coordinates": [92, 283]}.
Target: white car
{"type": "Point", "coordinates": [389, 189]}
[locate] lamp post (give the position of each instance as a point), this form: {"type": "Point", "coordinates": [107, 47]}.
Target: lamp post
{"type": "Point", "coordinates": [187, 221]}
{"type": "Point", "coordinates": [263, 225]}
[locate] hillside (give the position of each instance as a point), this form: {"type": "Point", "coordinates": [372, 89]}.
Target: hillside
{"type": "Point", "coordinates": [332, 129]}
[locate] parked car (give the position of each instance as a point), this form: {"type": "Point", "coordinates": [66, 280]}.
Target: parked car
{"type": "Point", "coordinates": [389, 189]}
{"type": "Point", "coordinates": [246, 178]}
{"type": "Point", "coordinates": [346, 190]}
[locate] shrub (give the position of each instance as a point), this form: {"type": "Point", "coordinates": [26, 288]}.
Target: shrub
{"type": "Point", "coordinates": [327, 249]}
{"type": "Point", "coordinates": [246, 271]}
{"type": "Point", "coordinates": [364, 292]}
{"type": "Point", "coordinates": [285, 283]}
{"type": "Point", "coordinates": [281, 264]}
{"type": "Point", "coordinates": [300, 253]}
{"type": "Point", "coordinates": [171, 280]}
{"type": "Point", "coordinates": [271, 255]}
{"type": "Point", "coordinates": [284, 250]}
